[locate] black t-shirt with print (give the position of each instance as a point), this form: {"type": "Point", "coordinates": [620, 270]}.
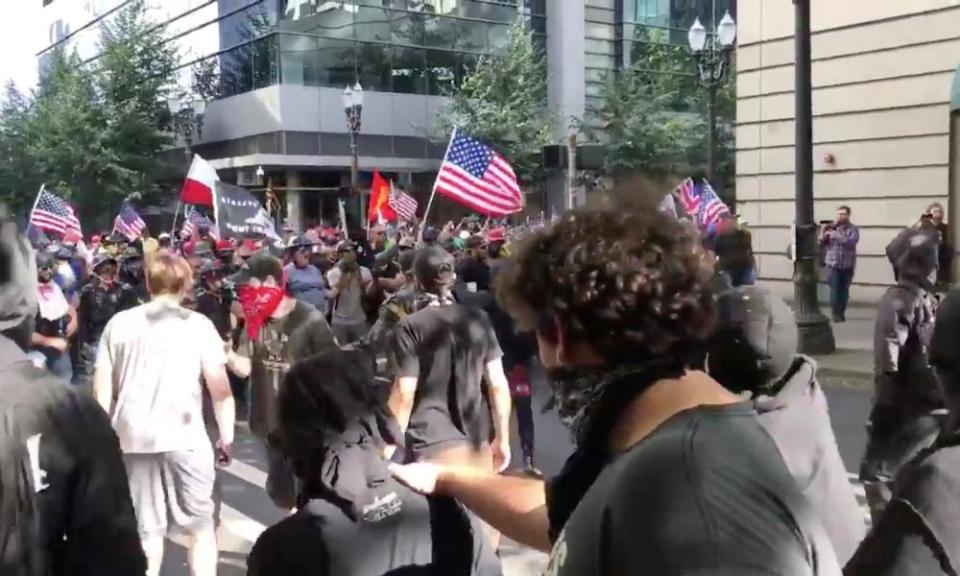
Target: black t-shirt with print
{"type": "Point", "coordinates": [300, 334]}
{"type": "Point", "coordinates": [408, 534]}
{"type": "Point", "coordinates": [706, 493]}
{"type": "Point", "coordinates": [447, 349]}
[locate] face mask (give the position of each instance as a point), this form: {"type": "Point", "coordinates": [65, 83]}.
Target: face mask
{"type": "Point", "coordinates": [585, 398]}
{"type": "Point", "coordinates": [575, 390]}
{"type": "Point", "coordinates": [259, 303]}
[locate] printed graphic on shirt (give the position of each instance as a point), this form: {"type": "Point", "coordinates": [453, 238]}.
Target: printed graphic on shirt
{"type": "Point", "coordinates": [38, 473]}
{"type": "Point", "coordinates": [558, 557]}
{"type": "Point", "coordinates": [381, 508]}
{"type": "Point", "coordinates": [274, 343]}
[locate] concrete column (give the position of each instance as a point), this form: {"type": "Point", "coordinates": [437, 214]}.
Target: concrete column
{"type": "Point", "coordinates": [566, 75]}
{"type": "Point", "coordinates": [294, 203]}
{"type": "Point", "coordinates": [566, 83]}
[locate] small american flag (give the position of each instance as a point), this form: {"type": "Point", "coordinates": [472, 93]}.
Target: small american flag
{"type": "Point", "coordinates": [701, 202]}
{"type": "Point", "coordinates": [53, 214]}
{"type": "Point", "coordinates": [128, 222]}
{"type": "Point", "coordinates": [195, 220]}
{"type": "Point", "coordinates": [403, 204]}
{"type": "Point", "coordinates": [479, 178]}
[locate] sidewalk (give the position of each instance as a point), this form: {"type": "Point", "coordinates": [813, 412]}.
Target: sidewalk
{"type": "Point", "coordinates": [854, 338]}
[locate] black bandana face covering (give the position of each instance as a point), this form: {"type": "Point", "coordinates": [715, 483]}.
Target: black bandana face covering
{"type": "Point", "coordinates": [590, 402]}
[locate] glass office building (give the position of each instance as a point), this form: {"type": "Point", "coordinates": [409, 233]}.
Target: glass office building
{"type": "Point", "coordinates": [400, 46]}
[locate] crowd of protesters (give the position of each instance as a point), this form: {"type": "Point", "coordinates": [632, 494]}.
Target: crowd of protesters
{"type": "Point", "coordinates": [380, 371]}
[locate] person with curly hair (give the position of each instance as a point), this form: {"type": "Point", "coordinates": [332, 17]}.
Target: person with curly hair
{"type": "Point", "coordinates": [672, 474]}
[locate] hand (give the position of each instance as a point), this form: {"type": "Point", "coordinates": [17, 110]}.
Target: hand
{"type": "Point", "coordinates": [421, 477]}
{"type": "Point", "coordinates": [223, 453]}
{"type": "Point", "coordinates": [501, 454]}
{"type": "Point", "coordinates": [58, 344]}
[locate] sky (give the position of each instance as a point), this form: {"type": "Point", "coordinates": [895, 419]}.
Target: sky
{"type": "Point", "coordinates": [20, 39]}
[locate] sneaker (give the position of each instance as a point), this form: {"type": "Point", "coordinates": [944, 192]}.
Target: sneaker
{"type": "Point", "coordinates": [530, 468]}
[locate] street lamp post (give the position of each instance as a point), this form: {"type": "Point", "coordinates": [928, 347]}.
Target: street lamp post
{"type": "Point", "coordinates": [713, 61]}
{"type": "Point", "coordinates": [814, 332]}
{"type": "Point", "coordinates": [353, 107]}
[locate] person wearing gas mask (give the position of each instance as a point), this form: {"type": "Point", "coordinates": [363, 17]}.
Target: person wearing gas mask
{"type": "Point", "coordinates": [280, 331]}
{"type": "Point", "coordinates": [55, 323]}
{"type": "Point", "coordinates": [103, 296]}
{"type": "Point", "coordinates": [131, 275]}
{"type": "Point", "coordinates": [348, 282]}
{"type": "Point", "coordinates": [908, 408]}
{"type": "Point", "coordinates": [672, 474]}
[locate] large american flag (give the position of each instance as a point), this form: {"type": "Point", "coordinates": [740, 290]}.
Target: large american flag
{"type": "Point", "coordinates": [479, 178]}
{"type": "Point", "coordinates": [128, 222]}
{"type": "Point", "coordinates": [701, 202]}
{"type": "Point", "coordinates": [194, 220]}
{"type": "Point", "coordinates": [53, 214]}
{"type": "Point", "coordinates": [403, 204]}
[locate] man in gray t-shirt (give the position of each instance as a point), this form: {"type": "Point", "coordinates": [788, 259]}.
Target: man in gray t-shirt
{"type": "Point", "coordinates": [305, 282]}
{"type": "Point", "coordinates": [348, 281]}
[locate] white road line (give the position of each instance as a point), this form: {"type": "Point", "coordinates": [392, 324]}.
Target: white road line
{"type": "Point", "coordinates": [246, 472]}
{"type": "Point", "coordinates": [240, 524]}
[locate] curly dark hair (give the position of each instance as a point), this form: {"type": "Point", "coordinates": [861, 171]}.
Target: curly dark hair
{"type": "Point", "coordinates": [634, 285]}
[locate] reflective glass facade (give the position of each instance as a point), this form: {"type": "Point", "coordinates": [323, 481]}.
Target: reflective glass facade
{"type": "Point", "coordinates": [403, 46]}
{"type": "Point", "coordinates": [621, 32]}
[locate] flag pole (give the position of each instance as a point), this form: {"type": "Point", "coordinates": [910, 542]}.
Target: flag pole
{"type": "Point", "coordinates": [176, 214]}
{"type": "Point", "coordinates": [35, 202]}
{"type": "Point", "coordinates": [426, 213]}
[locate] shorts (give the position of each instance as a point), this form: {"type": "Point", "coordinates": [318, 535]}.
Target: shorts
{"type": "Point", "coordinates": [174, 486]}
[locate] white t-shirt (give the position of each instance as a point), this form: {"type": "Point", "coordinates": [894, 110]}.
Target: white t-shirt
{"type": "Point", "coordinates": [157, 353]}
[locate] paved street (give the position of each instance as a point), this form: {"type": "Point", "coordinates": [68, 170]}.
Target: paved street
{"type": "Point", "coordinates": [247, 510]}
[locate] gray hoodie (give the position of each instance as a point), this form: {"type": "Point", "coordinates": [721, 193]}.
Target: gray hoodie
{"type": "Point", "coordinates": [798, 420]}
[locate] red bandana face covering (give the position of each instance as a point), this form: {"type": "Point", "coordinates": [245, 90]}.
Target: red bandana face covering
{"type": "Point", "coordinates": [258, 305]}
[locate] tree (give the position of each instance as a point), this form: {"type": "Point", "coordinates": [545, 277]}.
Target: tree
{"type": "Point", "coordinates": [135, 77]}
{"type": "Point", "coordinates": [653, 115]}
{"type": "Point", "coordinates": [66, 138]}
{"type": "Point", "coordinates": [502, 101]}
{"type": "Point", "coordinates": [92, 131]}
{"type": "Point", "coordinates": [17, 170]}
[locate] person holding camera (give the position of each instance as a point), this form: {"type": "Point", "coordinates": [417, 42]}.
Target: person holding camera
{"type": "Point", "coordinates": [840, 239]}
{"type": "Point", "coordinates": [348, 281]}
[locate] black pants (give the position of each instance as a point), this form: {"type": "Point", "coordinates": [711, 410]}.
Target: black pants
{"type": "Point", "coordinates": [893, 439]}
{"type": "Point", "coordinates": [524, 408]}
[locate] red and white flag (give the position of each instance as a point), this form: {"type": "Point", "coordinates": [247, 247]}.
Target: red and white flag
{"type": "Point", "coordinates": [198, 187]}
{"type": "Point", "coordinates": [476, 176]}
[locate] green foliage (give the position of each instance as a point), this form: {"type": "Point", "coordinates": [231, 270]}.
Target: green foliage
{"type": "Point", "coordinates": [92, 131]}
{"type": "Point", "coordinates": [502, 101]}
{"type": "Point", "coordinates": [653, 115]}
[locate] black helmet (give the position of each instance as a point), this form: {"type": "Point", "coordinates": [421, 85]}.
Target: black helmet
{"type": "Point", "coordinates": [434, 268]}
{"type": "Point", "coordinates": [102, 258]}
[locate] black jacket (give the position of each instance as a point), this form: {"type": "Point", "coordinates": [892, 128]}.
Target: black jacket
{"type": "Point", "coordinates": [86, 522]}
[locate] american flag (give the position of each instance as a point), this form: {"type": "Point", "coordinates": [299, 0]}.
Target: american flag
{"type": "Point", "coordinates": [128, 222]}
{"type": "Point", "coordinates": [701, 202]}
{"type": "Point", "coordinates": [53, 214]}
{"type": "Point", "coordinates": [194, 220]}
{"type": "Point", "coordinates": [403, 204]}
{"type": "Point", "coordinates": [479, 178]}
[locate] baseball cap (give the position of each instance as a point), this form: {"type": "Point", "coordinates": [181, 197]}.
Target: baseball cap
{"type": "Point", "coordinates": [299, 241]}
{"type": "Point", "coordinates": [260, 266]}
{"type": "Point", "coordinates": [407, 242]}
{"type": "Point", "coordinates": [496, 235]}
{"type": "Point", "coordinates": [224, 246]}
